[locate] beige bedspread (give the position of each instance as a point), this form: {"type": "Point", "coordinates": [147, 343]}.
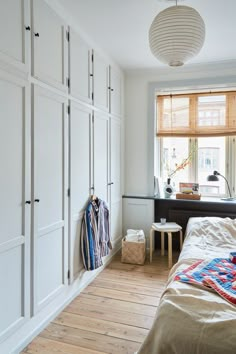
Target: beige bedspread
{"type": "Point", "coordinates": [190, 319]}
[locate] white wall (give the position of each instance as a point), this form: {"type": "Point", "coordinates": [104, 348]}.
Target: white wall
{"type": "Point", "coordinates": [140, 88]}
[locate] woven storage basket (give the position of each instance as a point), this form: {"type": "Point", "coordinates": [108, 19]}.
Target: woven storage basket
{"type": "Point", "coordinates": [133, 252]}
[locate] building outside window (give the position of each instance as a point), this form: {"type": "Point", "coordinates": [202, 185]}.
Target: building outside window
{"type": "Point", "coordinates": [200, 125]}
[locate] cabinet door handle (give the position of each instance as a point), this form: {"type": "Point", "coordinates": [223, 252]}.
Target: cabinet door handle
{"type": "Point", "coordinates": [109, 184]}
{"type": "Point", "coordinates": [27, 28]}
{"type": "Point", "coordinates": [112, 89]}
{"type": "Point", "coordinates": [28, 202]}
{"type": "Point", "coordinates": [37, 200]}
{"type": "Point", "coordinates": [36, 34]}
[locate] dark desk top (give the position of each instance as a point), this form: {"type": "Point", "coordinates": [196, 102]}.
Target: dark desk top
{"type": "Point", "coordinates": [203, 199]}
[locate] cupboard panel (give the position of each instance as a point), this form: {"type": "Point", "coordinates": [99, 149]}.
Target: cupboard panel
{"type": "Point", "coordinates": [14, 39]}
{"type": "Point", "coordinates": [80, 157]}
{"type": "Point", "coordinates": [76, 258]}
{"type": "Point", "coordinates": [115, 159]}
{"type": "Point", "coordinates": [80, 178]}
{"type": "Point", "coordinates": [49, 42]}
{"type": "Point", "coordinates": [15, 214]}
{"type": "Point", "coordinates": [101, 156]}
{"type": "Point", "coordinates": [12, 162]}
{"type": "Point", "coordinates": [101, 83]}
{"type": "Point", "coordinates": [115, 81]}
{"type": "Point", "coordinates": [49, 265]}
{"type": "Point", "coordinates": [80, 68]}
{"type": "Point", "coordinates": [12, 298]}
{"type": "Point", "coordinates": [116, 220]}
{"type": "Point", "coordinates": [49, 195]}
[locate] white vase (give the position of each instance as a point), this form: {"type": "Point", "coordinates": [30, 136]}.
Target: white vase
{"type": "Point", "coordinates": [168, 189]}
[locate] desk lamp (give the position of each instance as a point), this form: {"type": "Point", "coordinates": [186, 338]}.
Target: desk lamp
{"type": "Point", "coordinates": [214, 178]}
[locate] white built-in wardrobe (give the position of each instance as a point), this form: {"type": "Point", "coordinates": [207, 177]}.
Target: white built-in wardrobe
{"type": "Point", "coordinates": [60, 141]}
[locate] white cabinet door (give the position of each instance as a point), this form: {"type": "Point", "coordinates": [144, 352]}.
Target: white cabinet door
{"type": "Point", "coordinates": [115, 179]}
{"type": "Point", "coordinates": [49, 194]}
{"type": "Point", "coordinates": [138, 214]}
{"type": "Point", "coordinates": [101, 83]}
{"type": "Point", "coordinates": [80, 181]}
{"type": "Point", "coordinates": [115, 159]}
{"type": "Point", "coordinates": [15, 33]}
{"type": "Point", "coordinates": [100, 153]}
{"type": "Point", "coordinates": [115, 88]}
{"type": "Point", "coordinates": [49, 46]}
{"type": "Point", "coordinates": [80, 68]}
{"type": "Point", "coordinates": [15, 212]}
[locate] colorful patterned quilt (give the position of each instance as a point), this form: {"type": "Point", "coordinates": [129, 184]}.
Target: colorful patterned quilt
{"type": "Point", "coordinates": [218, 274]}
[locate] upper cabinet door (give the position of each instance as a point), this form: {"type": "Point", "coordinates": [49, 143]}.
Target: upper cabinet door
{"type": "Point", "coordinates": [115, 87]}
{"type": "Point", "coordinates": [49, 46]}
{"type": "Point", "coordinates": [80, 68]}
{"type": "Point", "coordinates": [101, 83]}
{"type": "Point", "coordinates": [15, 33]}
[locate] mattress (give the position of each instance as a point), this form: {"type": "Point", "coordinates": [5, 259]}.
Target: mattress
{"type": "Point", "coordinates": [191, 319]}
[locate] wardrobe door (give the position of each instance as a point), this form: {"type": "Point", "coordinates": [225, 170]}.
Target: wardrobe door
{"type": "Point", "coordinates": [14, 204]}
{"type": "Point", "coordinates": [101, 83]}
{"type": "Point", "coordinates": [115, 179]}
{"type": "Point", "coordinates": [115, 98]}
{"type": "Point", "coordinates": [80, 68]}
{"type": "Point", "coordinates": [80, 181]}
{"type": "Point", "coordinates": [50, 257]}
{"type": "Point", "coordinates": [15, 33]}
{"type": "Point", "coordinates": [100, 153]}
{"type": "Point", "coordinates": [49, 45]}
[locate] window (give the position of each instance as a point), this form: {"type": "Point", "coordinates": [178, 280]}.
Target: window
{"type": "Point", "coordinates": [209, 154]}
{"type": "Point", "coordinates": [199, 125]}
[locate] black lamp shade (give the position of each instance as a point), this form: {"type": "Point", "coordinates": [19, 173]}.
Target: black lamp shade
{"type": "Point", "coordinates": [215, 178]}
{"type": "Point", "coordinates": [212, 178]}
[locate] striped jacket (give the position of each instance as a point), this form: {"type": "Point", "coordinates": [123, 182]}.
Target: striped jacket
{"type": "Point", "coordinates": [95, 234]}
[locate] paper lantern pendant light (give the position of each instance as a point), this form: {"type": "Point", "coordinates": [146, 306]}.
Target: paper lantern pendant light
{"type": "Point", "coordinates": [176, 35]}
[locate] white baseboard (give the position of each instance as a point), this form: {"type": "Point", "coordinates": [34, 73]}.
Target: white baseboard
{"type": "Point", "coordinates": [22, 337]}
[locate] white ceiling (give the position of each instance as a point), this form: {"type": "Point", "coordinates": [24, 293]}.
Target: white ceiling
{"type": "Point", "coordinates": [120, 28]}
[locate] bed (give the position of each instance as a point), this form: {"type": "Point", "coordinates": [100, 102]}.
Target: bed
{"type": "Point", "coordinates": [191, 319]}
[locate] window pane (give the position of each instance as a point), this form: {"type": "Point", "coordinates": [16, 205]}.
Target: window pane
{"type": "Point", "coordinates": [174, 151]}
{"type": "Point", "coordinates": [175, 112]}
{"type": "Point", "coordinates": [211, 110]}
{"type": "Point", "coordinates": [211, 157]}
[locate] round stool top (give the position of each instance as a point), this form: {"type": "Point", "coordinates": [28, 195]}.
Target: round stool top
{"type": "Point", "coordinates": [167, 227]}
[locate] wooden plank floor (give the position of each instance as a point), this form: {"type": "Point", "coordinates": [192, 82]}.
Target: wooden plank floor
{"type": "Point", "coordinates": [112, 315]}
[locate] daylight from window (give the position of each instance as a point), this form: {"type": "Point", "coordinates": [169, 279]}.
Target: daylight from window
{"type": "Point", "coordinates": [192, 157]}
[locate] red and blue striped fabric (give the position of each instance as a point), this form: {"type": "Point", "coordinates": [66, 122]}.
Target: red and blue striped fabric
{"type": "Point", "coordinates": [218, 274]}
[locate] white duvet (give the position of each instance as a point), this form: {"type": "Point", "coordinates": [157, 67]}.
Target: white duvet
{"type": "Point", "coordinates": [190, 319]}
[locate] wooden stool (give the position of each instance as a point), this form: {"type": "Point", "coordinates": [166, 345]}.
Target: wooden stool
{"type": "Point", "coordinates": [168, 227]}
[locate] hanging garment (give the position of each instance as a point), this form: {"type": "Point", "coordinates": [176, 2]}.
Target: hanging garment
{"type": "Point", "coordinates": [103, 229]}
{"type": "Point", "coordinates": [95, 234]}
